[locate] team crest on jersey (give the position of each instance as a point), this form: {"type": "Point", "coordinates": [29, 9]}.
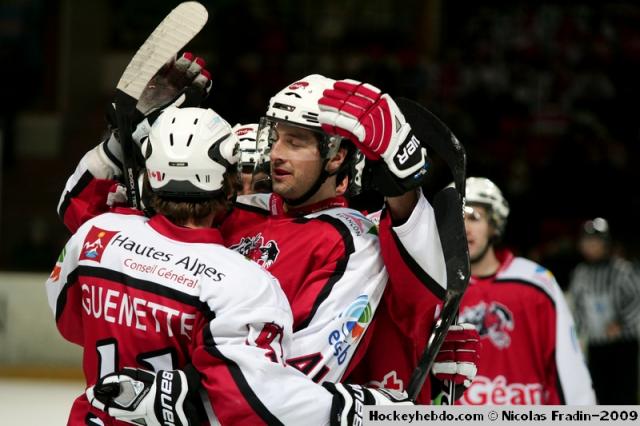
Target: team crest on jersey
{"type": "Point", "coordinates": [95, 242]}
{"type": "Point", "coordinates": [256, 249]}
{"type": "Point", "coordinates": [493, 321]}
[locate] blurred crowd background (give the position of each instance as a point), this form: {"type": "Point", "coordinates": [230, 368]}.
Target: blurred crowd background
{"type": "Point", "coordinates": [543, 96]}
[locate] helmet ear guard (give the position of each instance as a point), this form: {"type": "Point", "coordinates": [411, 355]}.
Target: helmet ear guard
{"type": "Point", "coordinates": [352, 167]}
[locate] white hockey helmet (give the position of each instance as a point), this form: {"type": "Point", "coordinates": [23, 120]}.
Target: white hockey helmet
{"type": "Point", "coordinates": [483, 191]}
{"type": "Point", "coordinates": [185, 152]}
{"type": "Point", "coordinates": [297, 104]}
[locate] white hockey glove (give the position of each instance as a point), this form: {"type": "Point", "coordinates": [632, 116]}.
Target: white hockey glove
{"type": "Point", "coordinates": [142, 397]}
{"type": "Point", "coordinates": [457, 360]}
{"type": "Point", "coordinates": [373, 121]}
{"type": "Point", "coordinates": [349, 400]}
{"type": "Point", "coordinates": [169, 86]}
{"type": "Point", "coordinates": [183, 82]}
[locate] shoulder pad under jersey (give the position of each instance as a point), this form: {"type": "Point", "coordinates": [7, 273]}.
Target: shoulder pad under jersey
{"type": "Point", "coordinates": [527, 271]}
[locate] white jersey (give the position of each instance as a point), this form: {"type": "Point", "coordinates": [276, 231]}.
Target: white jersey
{"type": "Point", "coordinates": [139, 292]}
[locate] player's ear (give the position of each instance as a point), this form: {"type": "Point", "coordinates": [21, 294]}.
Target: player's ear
{"type": "Point", "coordinates": [334, 162]}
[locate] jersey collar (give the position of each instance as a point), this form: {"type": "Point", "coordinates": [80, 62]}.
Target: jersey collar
{"type": "Point", "coordinates": [276, 205]}
{"type": "Point", "coordinates": [127, 211]}
{"type": "Point", "coordinates": [505, 257]}
{"type": "Point", "coordinates": [186, 235]}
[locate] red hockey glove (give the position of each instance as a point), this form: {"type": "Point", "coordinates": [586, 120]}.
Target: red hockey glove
{"type": "Point", "coordinates": [373, 121]}
{"type": "Point", "coordinates": [458, 358]}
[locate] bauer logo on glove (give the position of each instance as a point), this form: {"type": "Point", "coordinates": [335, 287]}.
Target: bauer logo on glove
{"type": "Point", "coordinates": [142, 397]}
{"type": "Point", "coordinates": [406, 158]}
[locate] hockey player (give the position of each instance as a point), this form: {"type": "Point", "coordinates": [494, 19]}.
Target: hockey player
{"type": "Point", "coordinates": [309, 161]}
{"type": "Point", "coordinates": [526, 329]}
{"type": "Point", "coordinates": [161, 292]}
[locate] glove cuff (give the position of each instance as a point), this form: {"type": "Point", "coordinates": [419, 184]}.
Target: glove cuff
{"type": "Point", "coordinates": [379, 177]}
{"type": "Point", "coordinates": [105, 160]}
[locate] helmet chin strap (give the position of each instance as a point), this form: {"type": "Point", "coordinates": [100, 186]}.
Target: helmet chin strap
{"type": "Point", "coordinates": [324, 175]}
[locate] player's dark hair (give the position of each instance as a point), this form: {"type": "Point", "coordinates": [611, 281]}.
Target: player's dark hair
{"type": "Point", "coordinates": [182, 210]}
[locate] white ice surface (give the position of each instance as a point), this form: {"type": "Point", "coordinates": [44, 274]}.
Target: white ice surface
{"type": "Point", "coordinates": [27, 402]}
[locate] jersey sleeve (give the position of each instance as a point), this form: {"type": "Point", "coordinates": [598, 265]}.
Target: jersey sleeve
{"type": "Point", "coordinates": [337, 301]}
{"type": "Point", "coordinates": [85, 192]}
{"type": "Point", "coordinates": [573, 378]}
{"type": "Point", "coordinates": [240, 354]}
{"type": "Point", "coordinates": [63, 276]}
{"type": "Point", "coordinates": [414, 259]}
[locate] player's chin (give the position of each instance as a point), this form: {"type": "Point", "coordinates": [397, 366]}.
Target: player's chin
{"type": "Point", "coordinates": [283, 188]}
{"type": "Point", "coordinates": [473, 250]}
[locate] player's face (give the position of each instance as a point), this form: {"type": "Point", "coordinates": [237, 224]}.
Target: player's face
{"type": "Point", "coordinates": [295, 161]}
{"type": "Point", "coordinates": [479, 230]}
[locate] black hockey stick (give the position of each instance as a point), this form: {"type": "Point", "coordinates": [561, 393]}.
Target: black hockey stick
{"type": "Point", "coordinates": [171, 35]}
{"type": "Point", "coordinates": [449, 209]}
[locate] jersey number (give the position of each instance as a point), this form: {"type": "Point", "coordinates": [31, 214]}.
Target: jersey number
{"type": "Point", "coordinates": [308, 363]}
{"type": "Point", "coordinates": [164, 359]}
{"type": "Point", "coordinates": [269, 334]}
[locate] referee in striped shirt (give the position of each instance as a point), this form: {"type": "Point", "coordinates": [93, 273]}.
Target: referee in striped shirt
{"type": "Point", "coordinates": [606, 294]}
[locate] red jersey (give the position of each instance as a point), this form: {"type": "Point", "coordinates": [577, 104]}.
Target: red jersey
{"type": "Point", "coordinates": [327, 259]}
{"type": "Point", "coordinates": [529, 350]}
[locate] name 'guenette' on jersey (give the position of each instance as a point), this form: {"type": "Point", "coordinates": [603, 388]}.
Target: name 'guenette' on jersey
{"type": "Point", "coordinates": [145, 293]}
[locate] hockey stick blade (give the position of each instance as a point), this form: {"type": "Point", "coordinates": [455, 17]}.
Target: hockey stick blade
{"type": "Point", "coordinates": [171, 35]}
{"type": "Point", "coordinates": [449, 209]}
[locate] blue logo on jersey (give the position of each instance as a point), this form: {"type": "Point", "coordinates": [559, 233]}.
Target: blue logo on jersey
{"type": "Point", "coordinates": [356, 318]}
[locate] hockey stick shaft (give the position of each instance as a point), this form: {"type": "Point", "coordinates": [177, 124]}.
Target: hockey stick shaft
{"type": "Point", "coordinates": [449, 210]}
{"type": "Point", "coordinates": [419, 375]}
